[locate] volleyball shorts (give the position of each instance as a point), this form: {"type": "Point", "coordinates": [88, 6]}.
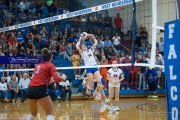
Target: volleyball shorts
{"type": "Point", "coordinates": [37, 92]}
{"type": "Point", "coordinates": [91, 70]}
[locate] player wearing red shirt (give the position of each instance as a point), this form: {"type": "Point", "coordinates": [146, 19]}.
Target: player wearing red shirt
{"type": "Point", "coordinates": [118, 22]}
{"type": "Point", "coordinates": [37, 90]}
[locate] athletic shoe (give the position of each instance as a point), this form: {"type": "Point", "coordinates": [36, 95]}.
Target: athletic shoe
{"type": "Point", "coordinates": [123, 88]}
{"type": "Point", "coordinates": [18, 100]}
{"type": "Point", "coordinates": [6, 100]}
{"type": "Point", "coordinates": [112, 110]}
{"type": "Point", "coordinates": [128, 88]}
{"type": "Point", "coordinates": [147, 87]}
{"type": "Point", "coordinates": [150, 96]}
{"type": "Point", "coordinates": [154, 96]}
{"type": "Point", "coordinates": [117, 108]}
{"type": "Point", "coordinates": [103, 107]}
{"type": "Point", "coordinates": [13, 101]}
{"type": "Point", "coordinates": [159, 87]}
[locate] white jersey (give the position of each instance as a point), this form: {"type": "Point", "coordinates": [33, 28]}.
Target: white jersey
{"type": "Point", "coordinates": [115, 75]}
{"type": "Point", "coordinates": [88, 57]}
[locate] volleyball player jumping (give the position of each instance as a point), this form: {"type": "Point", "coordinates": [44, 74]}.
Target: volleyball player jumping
{"type": "Point", "coordinates": [89, 60]}
{"type": "Point", "coordinates": [37, 90]}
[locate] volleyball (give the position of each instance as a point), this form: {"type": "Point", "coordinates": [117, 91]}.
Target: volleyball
{"type": "Point", "coordinates": [83, 35]}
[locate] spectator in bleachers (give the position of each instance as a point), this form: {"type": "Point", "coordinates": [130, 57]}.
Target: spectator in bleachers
{"type": "Point", "coordinates": [20, 40]}
{"type": "Point", "coordinates": [56, 33]}
{"type": "Point", "coordinates": [98, 32]}
{"type": "Point", "coordinates": [157, 53]}
{"type": "Point", "coordinates": [2, 40]}
{"type": "Point", "coordinates": [161, 46]}
{"type": "Point", "coordinates": [140, 55]}
{"type": "Point", "coordinates": [51, 6]}
{"type": "Point", "coordinates": [115, 57]}
{"type": "Point", "coordinates": [75, 57]}
{"type": "Point", "coordinates": [30, 47]}
{"type": "Point", "coordinates": [142, 73]}
{"type": "Point", "coordinates": [159, 70]}
{"type": "Point", "coordinates": [107, 42]}
{"type": "Point", "coordinates": [97, 60]}
{"type": "Point", "coordinates": [100, 21]}
{"type": "Point", "coordinates": [43, 41]}
{"type": "Point", "coordinates": [143, 36]}
{"type": "Point", "coordinates": [116, 41]}
{"type": "Point", "coordinates": [20, 73]}
{"type": "Point", "coordinates": [53, 41]}
{"type": "Point", "coordinates": [143, 48]}
{"type": "Point", "coordinates": [52, 47]}
{"type": "Point", "coordinates": [134, 75]}
{"type": "Point", "coordinates": [75, 22]}
{"type": "Point", "coordinates": [10, 73]}
{"type": "Point", "coordinates": [126, 71]}
{"type": "Point", "coordinates": [38, 8]}
{"type": "Point", "coordinates": [23, 6]}
{"type": "Point", "coordinates": [23, 31]}
{"type": "Point", "coordinates": [1, 52]}
{"type": "Point", "coordinates": [69, 49]}
{"type": "Point", "coordinates": [148, 59]}
{"type": "Point", "coordinates": [39, 16]}
{"type": "Point", "coordinates": [12, 41]}
{"type": "Point", "coordinates": [3, 89]}
{"type": "Point", "coordinates": [83, 21]}
{"type": "Point", "coordinates": [13, 88]}
{"type": "Point", "coordinates": [118, 24]}
{"type": "Point", "coordinates": [92, 22]}
{"type": "Point", "coordinates": [65, 11]}
{"type": "Point", "coordinates": [54, 89]}
{"type": "Point", "coordinates": [110, 53]}
{"type": "Point", "coordinates": [44, 31]}
{"type": "Point", "coordinates": [62, 51]}
{"type": "Point", "coordinates": [5, 49]}
{"type": "Point", "coordinates": [89, 42]}
{"type": "Point", "coordinates": [79, 32]}
{"type": "Point", "coordinates": [65, 88]}
{"type": "Point", "coordinates": [103, 70]}
{"type": "Point", "coordinates": [13, 5]}
{"type": "Point", "coordinates": [100, 44]}
{"type": "Point", "coordinates": [107, 24]}
{"type": "Point", "coordinates": [23, 86]}
{"type": "Point", "coordinates": [34, 34]}
{"type": "Point", "coordinates": [73, 39]}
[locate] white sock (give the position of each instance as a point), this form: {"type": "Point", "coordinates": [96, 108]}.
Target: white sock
{"type": "Point", "coordinates": [50, 117]}
{"type": "Point", "coordinates": [31, 117]}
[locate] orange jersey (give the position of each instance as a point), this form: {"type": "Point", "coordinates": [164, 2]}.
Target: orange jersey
{"type": "Point", "coordinates": [43, 73]}
{"type": "Point", "coordinates": [103, 70]}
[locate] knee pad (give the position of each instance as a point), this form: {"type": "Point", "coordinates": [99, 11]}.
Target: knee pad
{"type": "Point", "coordinates": [116, 98]}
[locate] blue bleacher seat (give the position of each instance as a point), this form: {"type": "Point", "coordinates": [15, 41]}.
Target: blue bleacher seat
{"type": "Point", "coordinates": [4, 6]}
{"type": "Point", "coordinates": [60, 57]}
{"type": "Point", "coordinates": [77, 82]}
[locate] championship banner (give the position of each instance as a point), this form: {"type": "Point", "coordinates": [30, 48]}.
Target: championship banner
{"type": "Point", "coordinates": [172, 68]}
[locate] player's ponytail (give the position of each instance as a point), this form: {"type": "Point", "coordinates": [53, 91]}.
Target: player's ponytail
{"type": "Point", "coordinates": [46, 54]}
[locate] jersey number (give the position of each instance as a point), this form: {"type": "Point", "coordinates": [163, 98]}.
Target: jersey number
{"type": "Point", "coordinates": [115, 75]}
{"type": "Point", "coordinates": [37, 69]}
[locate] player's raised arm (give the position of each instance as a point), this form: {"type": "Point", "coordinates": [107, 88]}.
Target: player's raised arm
{"type": "Point", "coordinates": [95, 41]}
{"type": "Point", "coordinates": [78, 45]}
{"type": "Point", "coordinates": [56, 75]}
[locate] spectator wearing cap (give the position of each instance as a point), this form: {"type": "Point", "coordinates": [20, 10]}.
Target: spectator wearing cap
{"type": "Point", "coordinates": [107, 42]}
{"type": "Point", "coordinates": [118, 24]}
{"type": "Point", "coordinates": [126, 71]}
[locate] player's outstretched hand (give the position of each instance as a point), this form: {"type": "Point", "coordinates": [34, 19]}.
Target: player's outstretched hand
{"type": "Point", "coordinates": [63, 76]}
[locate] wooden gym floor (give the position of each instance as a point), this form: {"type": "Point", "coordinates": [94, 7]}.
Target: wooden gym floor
{"type": "Point", "coordinates": [131, 109]}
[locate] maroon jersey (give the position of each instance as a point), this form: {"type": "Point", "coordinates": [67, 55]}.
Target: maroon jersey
{"type": "Point", "coordinates": [43, 73]}
{"type": "Point", "coordinates": [126, 60]}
